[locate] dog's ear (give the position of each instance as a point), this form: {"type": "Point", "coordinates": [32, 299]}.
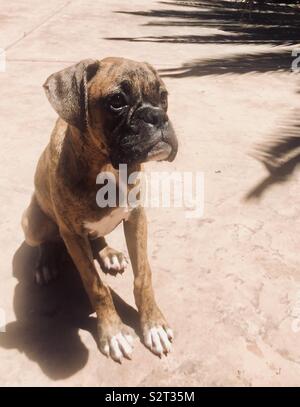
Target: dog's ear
{"type": "Point", "coordinates": [66, 90]}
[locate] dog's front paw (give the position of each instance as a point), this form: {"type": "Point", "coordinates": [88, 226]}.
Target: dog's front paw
{"type": "Point", "coordinates": [112, 261]}
{"type": "Point", "coordinates": [115, 341]}
{"type": "Point", "coordinates": [159, 339]}
{"type": "Point", "coordinates": [158, 336]}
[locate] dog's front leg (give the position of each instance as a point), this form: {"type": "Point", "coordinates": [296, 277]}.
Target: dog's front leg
{"type": "Point", "coordinates": [156, 332]}
{"type": "Point", "coordinates": [114, 339]}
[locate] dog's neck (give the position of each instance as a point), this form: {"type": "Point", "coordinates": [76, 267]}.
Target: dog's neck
{"type": "Point", "coordinates": [88, 148]}
{"type": "Point", "coordinates": [81, 159]}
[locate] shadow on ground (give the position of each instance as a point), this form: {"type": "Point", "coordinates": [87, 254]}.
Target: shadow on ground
{"type": "Point", "coordinates": [280, 156]}
{"type": "Point", "coordinates": [238, 64]}
{"type": "Point", "coordinates": [271, 23]}
{"type": "Point", "coordinates": [48, 318]}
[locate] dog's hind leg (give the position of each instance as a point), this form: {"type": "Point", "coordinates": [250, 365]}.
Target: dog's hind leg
{"type": "Point", "coordinates": [42, 232]}
{"type": "Point", "coordinates": [49, 261]}
{"type": "Point", "coordinates": [110, 260]}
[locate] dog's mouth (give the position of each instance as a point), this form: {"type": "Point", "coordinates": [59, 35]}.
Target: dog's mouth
{"type": "Point", "coordinates": [161, 145]}
{"type": "Point", "coordinates": [164, 147]}
{"type": "Point", "coordinates": [160, 151]}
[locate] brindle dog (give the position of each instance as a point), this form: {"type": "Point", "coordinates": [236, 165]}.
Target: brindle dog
{"type": "Point", "coordinates": [111, 111]}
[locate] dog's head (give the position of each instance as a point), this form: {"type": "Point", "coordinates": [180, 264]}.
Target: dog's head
{"type": "Point", "coordinates": [118, 102]}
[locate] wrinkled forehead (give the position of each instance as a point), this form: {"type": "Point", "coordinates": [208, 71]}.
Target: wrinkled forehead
{"type": "Point", "coordinates": [136, 78]}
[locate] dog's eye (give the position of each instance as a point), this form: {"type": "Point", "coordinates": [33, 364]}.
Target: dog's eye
{"type": "Point", "coordinates": [117, 102]}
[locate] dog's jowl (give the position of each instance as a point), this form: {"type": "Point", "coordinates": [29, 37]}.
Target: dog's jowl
{"type": "Point", "coordinates": [111, 112]}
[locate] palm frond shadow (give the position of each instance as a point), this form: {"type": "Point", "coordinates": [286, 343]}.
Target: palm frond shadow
{"type": "Point", "coordinates": [238, 22]}
{"type": "Point", "coordinates": [281, 157]}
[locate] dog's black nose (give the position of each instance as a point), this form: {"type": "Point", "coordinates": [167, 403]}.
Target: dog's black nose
{"type": "Point", "coordinates": [152, 115]}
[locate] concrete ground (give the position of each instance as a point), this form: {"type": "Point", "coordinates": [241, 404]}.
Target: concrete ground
{"type": "Point", "coordinates": [229, 282]}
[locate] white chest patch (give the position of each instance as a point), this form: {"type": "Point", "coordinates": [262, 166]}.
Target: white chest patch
{"type": "Point", "coordinates": [108, 223]}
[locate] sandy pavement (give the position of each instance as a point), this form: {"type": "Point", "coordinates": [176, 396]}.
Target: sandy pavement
{"type": "Point", "coordinates": [229, 282]}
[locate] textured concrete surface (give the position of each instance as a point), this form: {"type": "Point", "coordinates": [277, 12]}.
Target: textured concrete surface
{"type": "Point", "coordinates": [229, 282]}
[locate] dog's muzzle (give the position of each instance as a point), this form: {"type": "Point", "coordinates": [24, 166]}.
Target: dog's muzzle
{"type": "Point", "coordinates": [156, 132]}
{"type": "Point", "coordinates": [148, 135]}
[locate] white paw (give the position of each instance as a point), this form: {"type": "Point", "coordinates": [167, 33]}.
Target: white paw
{"type": "Point", "coordinates": [119, 346]}
{"type": "Point", "coordinates": [113, 262]}
{"type": "Point", "coordinates": [158, 340]}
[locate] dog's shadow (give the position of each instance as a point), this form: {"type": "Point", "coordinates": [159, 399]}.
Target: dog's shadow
{"type": "Point", "coordinates": [48, 318]}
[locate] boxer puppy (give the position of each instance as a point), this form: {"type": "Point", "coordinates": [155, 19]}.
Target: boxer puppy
{"type": "Point", "coordinates": [111, 112]}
